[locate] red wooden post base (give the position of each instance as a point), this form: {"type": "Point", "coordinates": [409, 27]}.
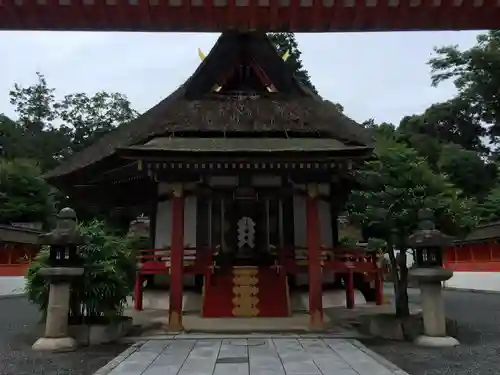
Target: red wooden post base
{"type": "Point", "coordinates": [314, 263]}
{"type": "Point", "coordinates": [176, 261]}
{"type": "Point", "coordinates": [379, 292]}
{"type": "Point", "coordinates": [138, 293]}
{"type": "Point", "coordinates": [349, 290]}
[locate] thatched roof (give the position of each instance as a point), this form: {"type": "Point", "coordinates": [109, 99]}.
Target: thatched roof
{"type": "Point", "coordinates": [16, 234]}
{"type": "Point", "coordinates": [195, 108]}
{"type": "Point", "coordinates": [484, 232]}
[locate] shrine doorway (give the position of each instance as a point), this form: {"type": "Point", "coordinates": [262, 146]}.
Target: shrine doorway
{"type": "Point", "coordinates": [247, 233]}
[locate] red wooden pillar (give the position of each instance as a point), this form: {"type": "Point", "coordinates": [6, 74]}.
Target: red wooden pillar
{"type": "Point", "coordinates": [138, 292]}
{"type": "Point", "coordinates": [379, 288]}
{"type": "Point", "coordinates": [314, 257]}
{"type": "Point", "coordinates": [176, 260]}
{"type": "Point", "coordinates": [349, 290]}
{"type": "Point", "coordinates": [377, 259]}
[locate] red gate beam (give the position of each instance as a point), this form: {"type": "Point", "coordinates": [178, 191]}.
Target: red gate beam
{"type": "Point", "coordinates": [266, 15]}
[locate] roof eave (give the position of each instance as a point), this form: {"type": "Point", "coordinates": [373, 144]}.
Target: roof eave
{"type": "Point", "coordinates": [143, 153]}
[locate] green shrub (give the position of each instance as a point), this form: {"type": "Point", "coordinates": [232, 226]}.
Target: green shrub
{"type": "Point", "coordinates": [100, 295]}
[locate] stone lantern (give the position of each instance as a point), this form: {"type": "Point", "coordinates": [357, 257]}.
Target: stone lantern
{"type": "Point", "coordinates": [65, 266]}
{"type": "Point", "coordinates": [429, 243]}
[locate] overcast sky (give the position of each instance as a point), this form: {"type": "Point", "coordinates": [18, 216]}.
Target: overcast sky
{"type": "Point", "coordinates": [378, 75]}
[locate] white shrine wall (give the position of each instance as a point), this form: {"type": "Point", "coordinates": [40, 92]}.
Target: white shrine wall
{"type": "Point", "coordinates": [486, 281]}
{"type": "Point", "coordinates": [163, 229]}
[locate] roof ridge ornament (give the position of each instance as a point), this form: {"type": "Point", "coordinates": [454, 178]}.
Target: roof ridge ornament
{"type": "Point", "coordinates": [286, 55]}
{"type": "Point", "coordinates": [201, 54]}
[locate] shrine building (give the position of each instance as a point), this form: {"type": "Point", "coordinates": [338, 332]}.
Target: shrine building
{"type": "Point", "coordinates": [475, 261]}
{"type": "Point", "coordinates": [243, 171]}
{"type": "Point", "coordinates": [18, 246]}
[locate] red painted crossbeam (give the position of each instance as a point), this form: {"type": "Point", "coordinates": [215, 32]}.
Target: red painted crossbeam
{"type": "Point", "coordinates": [268, 15]}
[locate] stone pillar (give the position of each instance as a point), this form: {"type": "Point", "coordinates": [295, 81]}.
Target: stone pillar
{"type": "Point", "coordinates": [433, 312]}
{"type": "Point", "coordinates": [56, 337]}
{"type": "Point", "coordinates": [176, 260]}
{"type": "Point", "coordinates": [57, 311]}
{"type": "Point", "coordinates": [314, 259]}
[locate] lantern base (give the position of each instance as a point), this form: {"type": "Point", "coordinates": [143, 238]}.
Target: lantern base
{"type": "Point", "coordinates": [430, 274]}
{"type": "Point", "coordinates": [436, 342]}
{"type": "Point", "coordinates": [61, 274]}
{"type": "Point", "coordinates": [59, 344]}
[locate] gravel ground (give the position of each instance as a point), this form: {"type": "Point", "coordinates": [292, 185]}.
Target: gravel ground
{"type": "Point", "coordinates": [478, 316]}
{"type": "Point", "coordinates": [18, 319]}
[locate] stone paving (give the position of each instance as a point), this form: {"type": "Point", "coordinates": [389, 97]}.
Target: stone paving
{"type": "Point", "coordinates": [11, 285]}
{"type": "Point", "coordinates": [253, 356]}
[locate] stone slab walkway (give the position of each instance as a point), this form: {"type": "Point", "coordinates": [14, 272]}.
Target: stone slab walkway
{"type": "Point", "coordinates": [250, 356]}
{"type": "Point", "coordinates": [11, 285]}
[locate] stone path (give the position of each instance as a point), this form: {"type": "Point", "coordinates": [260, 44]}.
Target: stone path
{"type": "Point", "coordinates": [10, 285]}
{"type": "Point", "coordinates": [252, 356]}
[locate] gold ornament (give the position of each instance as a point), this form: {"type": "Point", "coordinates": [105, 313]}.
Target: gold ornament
{"type": "Point", "coordinates": [245, 292]}
{"type": "Point", "coordinates": [245, 271]}
{"type": "Point", "coordinates": [245, 300]}
{"type": "Point", "coordinates": [245, 312]}
{"type": "Point", "coordinates": [250, 290]}
{"type": "Point", "coordinates": [245, 280]}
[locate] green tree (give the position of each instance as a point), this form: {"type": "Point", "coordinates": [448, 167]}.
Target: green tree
{"type": "Point", "coordinates": [449, 122]}
{"type": "Point", "coordinates": [286, 42]}
{"type": "Point", "coordinates": [24, 195]}
{"type": "Point", "coordinates": [450, 137]}
{"type": "Point", "coordinates": [88, 118]}
{"type": "Point", "coordinates": [10, 138]}
{"type": "Point", "coordinates": [383, 130]}
{"type": "Point", "coordinates": [35, 136]}
{"type": "Point", "coordinates": [489, 209]}
{"type": "Point", "coordinates": [395, 186]}
{"type": "Point", "coordinates": [34, 105]}
{"type": "Point", "coordinates": [467, 170]}
{"type": "Point", "coordinates": [49, 130]}
{"type": "Point", "coordinates": [476, 75]}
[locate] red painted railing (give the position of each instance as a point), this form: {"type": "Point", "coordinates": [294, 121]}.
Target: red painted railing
{"type": "Point", "coordinates": [333, 259]}
{"type": "Point", "coordinates": [198, 260]}
{"type": "Point", "coordinates": [288, 261]}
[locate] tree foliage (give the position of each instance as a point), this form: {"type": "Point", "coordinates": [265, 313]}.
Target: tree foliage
{"type": "Point", "coordinates": [286, 42]}
{"type": "Point", "coordinates": [24, 195]}
{"type": "Point", "coordinates": [395, 186]}
{"type": "Point", "coordinates": [476, 75]}
{"type": "Point", "coordinates": [49, 130]}
{"type": "Point", "coordinates": [448, 122]}
{"type": "Point", "coordinates": [466, 169]}
{"type": "Point", "coordinates": [87, 119]}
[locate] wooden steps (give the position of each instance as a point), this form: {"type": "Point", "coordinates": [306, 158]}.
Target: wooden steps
{"type": "Point", "coordinates": [246, 292]}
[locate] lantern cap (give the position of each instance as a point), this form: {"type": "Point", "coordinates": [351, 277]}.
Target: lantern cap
{"type": "Point", "coordinates": [427, 235]}
{"type": "Point", "coordinates": [66, 231]}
